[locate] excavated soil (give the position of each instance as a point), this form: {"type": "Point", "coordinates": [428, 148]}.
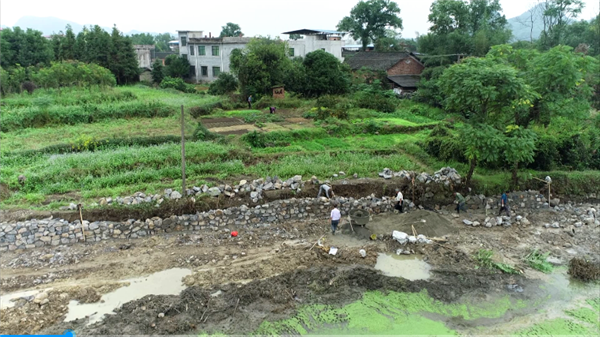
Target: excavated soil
{"type": "Point", "coordinates": [268, 272]}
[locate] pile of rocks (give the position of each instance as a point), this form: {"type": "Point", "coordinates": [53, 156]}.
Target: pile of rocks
{"type": "Point", "coordinates": [254, 188]}
{"type": "Point", "coordinates": [505, 221]}
{"type": "Point", "coordinates": [445, 176]}
{"type": "Point", "coordinates": [404, 238]}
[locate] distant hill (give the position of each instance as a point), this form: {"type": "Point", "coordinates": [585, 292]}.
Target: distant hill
{"type": "Point", "coordinates": [51, 25]}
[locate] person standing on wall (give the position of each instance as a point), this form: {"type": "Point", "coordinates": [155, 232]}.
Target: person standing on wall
{"type": "Point", "coordinates": [335, 218]}
{"type": "Point", "coordinates": [399, 201]}
{"type": "Point", "coordinates": [250, 102]}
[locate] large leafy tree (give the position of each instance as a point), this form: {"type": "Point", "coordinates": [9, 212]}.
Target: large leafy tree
{"type": "Point", "coordinates": [369, 20]}
{"type": "Point", "coordinates": [483, 92]}
{"type": "Point", "coordinates": [231, 29]}
{"type": "Point", "coordinates": [177, 66]}
{"type": "Point", "coordinates": [325, 74]}
{"type": "Point", "coordinates": [162, 41]}
{"type": "Point", "coordinates": [460, 27]}
{"type": "Point", "coordinates": [261, 65]}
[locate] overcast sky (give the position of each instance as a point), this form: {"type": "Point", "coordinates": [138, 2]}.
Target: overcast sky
{"type": "Point", "coordinates": [256, 17]}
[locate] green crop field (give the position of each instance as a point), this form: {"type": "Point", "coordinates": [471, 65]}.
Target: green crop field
{"type": "Point", "coordinates": [86, 144]}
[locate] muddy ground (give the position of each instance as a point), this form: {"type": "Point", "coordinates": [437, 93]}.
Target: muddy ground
{"type": "Point", "coordinates": [266, 273]}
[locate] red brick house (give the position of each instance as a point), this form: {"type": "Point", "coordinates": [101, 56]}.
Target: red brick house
{"type": "Point", "coordinates": [403, 69]}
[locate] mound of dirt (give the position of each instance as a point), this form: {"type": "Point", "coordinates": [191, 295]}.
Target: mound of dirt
{"type": "Point", "coordinates": [428, 223]}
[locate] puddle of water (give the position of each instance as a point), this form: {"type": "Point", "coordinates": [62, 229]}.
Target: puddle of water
{"type": "Point", "coordinates": [408, 267]}
{"type": "Point", "coordinates": [166, 282]}
{"type": "Point", "coordinates": [6, 300]}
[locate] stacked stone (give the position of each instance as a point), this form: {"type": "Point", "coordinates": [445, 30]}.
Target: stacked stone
{"type": "Point", "coordinates": [36, 233]}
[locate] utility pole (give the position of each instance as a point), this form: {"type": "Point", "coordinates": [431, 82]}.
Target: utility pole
{"type": "Point", "coordinates": [183, 192]}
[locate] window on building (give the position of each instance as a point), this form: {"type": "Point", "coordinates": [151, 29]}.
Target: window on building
{"type": "Point", "coordinates": [183, 41]}
{"type": "Point", "coordinates": [192, 50]}
{"type": "Point", "coordinates": [291, 52]}
{"type": "Point", "coordinates": [201, 50]}
{"type": "Point", "coordinates": [216, 71]}
{"type": "Point", "coordinates": [184, 55]}
{"type": "Point", "coordinates": [215, 50]}
{"type": "Point", "coordinates": [323, 49]}
{"type": "Point", "coordinates": [204, 70]}
{"type": "Point", "coordinates": [192, 71]}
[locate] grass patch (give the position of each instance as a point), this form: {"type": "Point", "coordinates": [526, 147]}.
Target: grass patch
{"type": "Point", "coordinates": [484, 259]}
{"type": "Point", "coordinates": [537, 261]}
{"type": "Point", "coordinates": [39, 138]}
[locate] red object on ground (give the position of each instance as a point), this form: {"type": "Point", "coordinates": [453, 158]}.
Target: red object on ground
{"type": "Point", "coordinates": [234, 233]}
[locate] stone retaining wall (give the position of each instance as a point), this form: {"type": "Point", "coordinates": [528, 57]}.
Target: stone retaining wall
{"type": "Point", "coordinates": [37, 233]}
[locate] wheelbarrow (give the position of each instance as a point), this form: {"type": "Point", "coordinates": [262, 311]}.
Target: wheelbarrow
{"type": "Point", "coordinates": [359, 217]}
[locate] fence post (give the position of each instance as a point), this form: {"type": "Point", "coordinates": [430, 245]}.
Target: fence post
{"type": "Point", "coordinates": [183, 192]}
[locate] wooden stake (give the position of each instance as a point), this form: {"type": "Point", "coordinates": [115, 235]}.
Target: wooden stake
{"type": "Point", "coordinates": [414, 230]}
{"type": "Point", "coordinates": [182, 153]}
{"type": "Point", "coordinates": [81, 218]}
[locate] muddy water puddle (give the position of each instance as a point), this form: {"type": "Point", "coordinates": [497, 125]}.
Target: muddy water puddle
{"type": "Point", "coordinates": [7, 300]}
{"type": "Point", "coordinates": [166, 282]}
{"type": "Point", "coordinates": [409, 267]}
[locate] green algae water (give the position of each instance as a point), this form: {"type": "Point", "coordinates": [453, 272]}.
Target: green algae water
{"type": "Point", "coordinates": [393, 313]}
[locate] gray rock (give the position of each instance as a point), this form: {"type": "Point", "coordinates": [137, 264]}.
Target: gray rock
{"type": "Point", "coordinates": [525, 222]}
{"type": "Point", "coordinates": [214, 191]}
{"type": "Point", "coordinates": [268, 186]}
{"type": "Point", "coordinates": [168, 192]}
{"type": "Point", "coordinates": [175, 195]}
{"type": "Point", "coordinates": [254, 195]}
{"type": "Point", "coordinates": [498, 221]}
{"type": "Point", "coordinates": [355, 175]}
{"type": "Point", "coordinates": [467, 222]}
{"type": "Point", "coordinates": [72, 206]}
{"type": "Point", "coordinates": [297, 178]}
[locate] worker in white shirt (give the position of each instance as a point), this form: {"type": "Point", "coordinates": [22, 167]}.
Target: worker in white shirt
{"type": "Point", "coordinates": [335, 218]}
{"type": "Point", "coordinates": [399, 201]}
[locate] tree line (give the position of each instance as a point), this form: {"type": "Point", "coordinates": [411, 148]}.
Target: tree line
{"type": "Point", "coordinates": [30, 50]}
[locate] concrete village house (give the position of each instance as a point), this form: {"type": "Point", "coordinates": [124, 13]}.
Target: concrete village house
{"type": "Point", "coordinates": [209, 56]}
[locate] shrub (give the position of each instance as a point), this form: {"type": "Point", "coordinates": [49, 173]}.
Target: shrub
{"type": "Point", "coordinates": [29, 87]}
{"type": "Point", "coordinates": [177, 84]}
{"type": "Point", "coordinates": [85, 143]}
{"type": "Point", "coordinates": [202, 133]}
{"type": "Point", "coordinates": [373, 97]}
{"type": "Point", "coordinates": [206, 109]}
{"type": "Point", "coordinates": [224, 84]}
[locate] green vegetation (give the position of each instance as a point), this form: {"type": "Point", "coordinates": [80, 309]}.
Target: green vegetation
{"type": "Point", "coordinates": [484, 259]}
{"type": "Point", "coordinates": [537, 260]}
{"type": "Point", "coordinates": [392, 313]}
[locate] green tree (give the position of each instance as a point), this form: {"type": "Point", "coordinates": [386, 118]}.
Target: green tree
{"type": "Point", "coordinates": [483, 92]}
{"type": "Point", "coordinates": [158, 72]}
{"type": "Point", "coordinates": [177, 66]}
{"type": "Point", "coordinates": [142, 38]}
{"type": "Point", "coordinates": [296, 37]}
{"type": "Point", "coordinates": [325, 74]}
{"type": "Point", "coordinates": [261, 65]}
{"type": "Point", "coordinates": [224, 84]}
{"type": "Point", "coordinates": [25, 47]}
{"type": "Point", "coordinates": [369, 20]}
{"type": "Point", "coordinates": [162, 41]}
{"type": "Point", "coordinates": [123, 60]}
{"type": "Point", "coordinates": [557, 15]}
{"type": "Point", "coordinates": [460, 27]}
{"type": "Point", "coordinates": [230, 29]}
{"type": "Point", "coordinates": [98, 47]}
{"type": "Point", "coordinates": [67, 46]}
{"type": "Point", "coordinates": [482, 144]}
{"type": "Point", "coordinates": [519, 149]}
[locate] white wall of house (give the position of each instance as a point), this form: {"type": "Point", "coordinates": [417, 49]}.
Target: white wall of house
{"type": "Point", "coordinates": [311, 43]}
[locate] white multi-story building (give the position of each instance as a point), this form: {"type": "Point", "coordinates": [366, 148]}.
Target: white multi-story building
{"type": "Point", "coordinates": [209, 56]}
{"type": "Point", "coordinates": [315, 39]}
